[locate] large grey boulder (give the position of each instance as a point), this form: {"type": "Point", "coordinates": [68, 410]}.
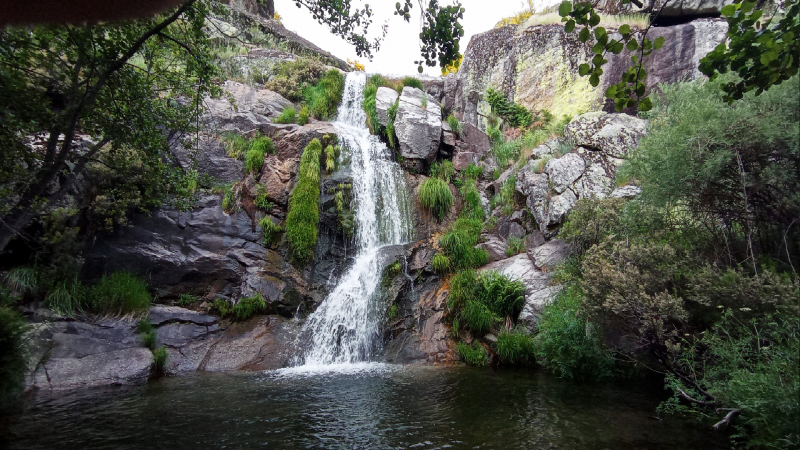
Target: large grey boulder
{"type": "Point", "coordinates": [495, 248]}
{"type": "Point", "coordinates": [564, 171]}
{"type": "Point", "coordinates": [546, 257]}
{"type": "Point", "coordinates": [472, 146]}
{"type": "Point", "coordinates": [672, 8]}
{"type": "Point", "coordinates": [209, 158]}
{"type": "Point", "coordinates": [521, 268]}
{"type": "Point", "coordinates": [595, 183]}
{"type": "Point", "coordinates": [613, 134]}
{"type": "Point", "coordinates": [242, 108]}
{"type": "Point", "coordinates": [418, 129]}
{"type": "Point", "coordinates": [534, 304]}
{"type": "Point", "coordinates": [384, 99]}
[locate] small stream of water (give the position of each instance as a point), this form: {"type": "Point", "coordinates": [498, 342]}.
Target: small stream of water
{"type": "Point", "coordinates": [344, 327]}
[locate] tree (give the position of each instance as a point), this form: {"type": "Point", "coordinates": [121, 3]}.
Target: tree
{"type": "Point", "coordinates": [762, 52]}
{"type": "Point", "coordinates": [117, 83]}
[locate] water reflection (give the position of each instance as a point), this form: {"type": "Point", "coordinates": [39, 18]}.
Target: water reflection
{"type": "Point", "coordinates": [398, 408]}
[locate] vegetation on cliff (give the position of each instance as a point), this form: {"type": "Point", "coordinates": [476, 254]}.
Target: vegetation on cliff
{"type": "Point", "coordinates": [303, 217]}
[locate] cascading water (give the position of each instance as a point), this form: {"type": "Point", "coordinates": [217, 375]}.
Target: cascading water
{"type": "Point", "coordinates": [343, 328]}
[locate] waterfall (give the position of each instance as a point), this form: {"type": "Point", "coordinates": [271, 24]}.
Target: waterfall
{"type": "Point", "coordinates": [344, 328]}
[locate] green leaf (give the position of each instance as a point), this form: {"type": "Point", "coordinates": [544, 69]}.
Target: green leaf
{"type": "Point", "coordinates": [645, 104]}
{"type": "Point", "coordinates": [659, 42]}
{"type": "Point", "coordinates": [611, 92]}
{"type": "Point", "coordinates": [625, 29]}
{"type": "Point", "coordinates": [570, 26]}
{"type": "Point", "coordinates": [594, 20]}
{"type": "Point", "coordinates": [564, 9]}
{"type": "Point", "coordinates": [584, 35]}
{"type": "Point", "coordinates": [599, 32]}
{"type": "Point", "coordinates": [747, 6]}
{"type": "Point", "coordinates": [728, 10]}
{"type": "Point", "coordinates": [594, 80]}
{"type": "Point", "coordinates": [633, 44]}
{"type": "Point", "coordinates": [598, 48]}
{"type": "Point", "coordinates": [583, 70]}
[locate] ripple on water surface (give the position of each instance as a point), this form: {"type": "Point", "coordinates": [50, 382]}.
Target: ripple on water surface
{"type": "Point", "coordinates": [358, 406]}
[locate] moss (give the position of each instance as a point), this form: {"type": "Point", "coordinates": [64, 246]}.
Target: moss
{"type": "Point", "coordinates": [303, 217]}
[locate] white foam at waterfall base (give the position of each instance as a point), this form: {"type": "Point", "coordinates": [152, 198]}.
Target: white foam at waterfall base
{"type": "Point", "coordinates": [345, 327]}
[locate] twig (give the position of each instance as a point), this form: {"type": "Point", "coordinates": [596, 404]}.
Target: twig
{"type": "Point", "coordinates": [693, 400]}
{"type": "Point", "coordinates": [727, 419]}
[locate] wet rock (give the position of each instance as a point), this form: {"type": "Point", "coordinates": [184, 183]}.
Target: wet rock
{"type": "Point", "coordinates": [613, 134]}
{"type": "Point", "coordinates": [418, 129]}
{"type": "Point", "coordinates": [547, 256]}
{"type": "Point", "coordinates": [629, 191]}
{"type": "Point", "coordinates": [564, 171]}
{"type": "Point", "coordinates": [384, 99]}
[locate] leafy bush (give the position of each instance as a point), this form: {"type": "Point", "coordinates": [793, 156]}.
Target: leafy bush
{"type": "Point", "coordinates": [223, 307]}
{"type": "Point", "coordinates": [294, 77]}
{"type": "Point", "coordinates": [288, 115]}
{"type": "Point", "coordinates": [751, 367]}
{"type": "Point", "coordinates": [119, 293]}
{"type": "Point", "coordinates": [515, 347]}
{"type": "Point", "coordinates": [474, 355]}
{"type": "Point", "coordinates": [441, 263]}
{"type": "Point", "coordinates": [591, 221]}
{"type": "Point", "coordinates": [248, 307]}
{"type": "Point", "coordinates": [323, 98]}
{"type": "Point", "coordinates": [472, 172]}
{"type": "Point", "coordinates": [514, 114]}
{"type": "Point", "coordinates": [455, 125]}
{"type": "Point", "coordinates": [568, 343]}
{"type": "Point", "coordinates": [12, 357]}
{"type": "Point", "coordinates": [303, 217]}
{"type": "Point", "coordinates": [413, 82]}
{"type": "Point", "coordinates": [435, 197]}
{"type": "Point", "coordinates": [302, 117]}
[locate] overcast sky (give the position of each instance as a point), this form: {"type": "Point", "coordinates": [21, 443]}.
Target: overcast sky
{"type": "Point", "coordinates": [401, 47]}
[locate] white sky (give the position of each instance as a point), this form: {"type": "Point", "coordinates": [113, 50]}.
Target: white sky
{"type": "Point", "coordinates": [401, 47]}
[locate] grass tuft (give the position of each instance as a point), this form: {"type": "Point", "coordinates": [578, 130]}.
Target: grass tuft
{"type": "Point", "coordinates": [515, 347]}
{"type": "Point", "coordinates": [435, 197]}
{"type": "Point", "coordinates": [441, 263]}
{"type": "Point", "coordinates": [302, 117]}
{"type": "Point", "coordinates": [413, 82]}
{"type": "Point", "coordinates": [323, 98]}
{"type": "Point", "coordinates": [303, 217]}
{"type": "Point", "coordinates": [474, 355]}
{"type": "Point", "coordinates": [288, 115]}
{"type": "Point", "coordinates": [119, 293]}
{"type": "Point", "coordinates": [248, 307]}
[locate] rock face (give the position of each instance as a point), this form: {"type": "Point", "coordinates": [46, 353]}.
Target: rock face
{"type": "Point", "coordinates": [384, 99]}
{"type": "Point", "coordinates": [471, 147]}
{"type": "Point", "coordinates": [538, 67]}
{"type": "Point", "coordinates": [674, 8]}
{"type": "Point", "coordinates": [418, 128]}
{"type": "Point", "coordinates": [242, 108]}
{"type": "Point", "coordinates": [210, 159]}
{"type": "Point", "coordinates": [612, 134]}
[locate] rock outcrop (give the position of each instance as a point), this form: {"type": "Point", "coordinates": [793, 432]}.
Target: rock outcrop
{"type": "Point", "coordinates": [418, 125]}
{"type": "Point", "coordinates": [538, 67]}
{"type": "Point", "coordinates": [384, 99]}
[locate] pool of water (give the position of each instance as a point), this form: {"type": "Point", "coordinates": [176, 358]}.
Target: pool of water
{"type": "Point", "coordinates": [371, 407]}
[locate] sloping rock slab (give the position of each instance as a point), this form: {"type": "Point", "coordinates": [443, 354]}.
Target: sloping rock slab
{"type": "Point", "coordinates": [549, 255]}
{"type": "Point", "coordinates": [534, 304]}
{"type": "Point", "coordinates": [161, 314]}
{"type": "Point", "coordinates": [384, 99]}
{"type": "Point", "coordinates": [521, 268]}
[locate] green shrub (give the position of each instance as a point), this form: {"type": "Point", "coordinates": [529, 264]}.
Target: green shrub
{"type": "Point", "coordinates": [119, 293]}
{"type": "Point", "coordinates": [294, 77]}
{"type": "Point", "coordinates": [248, 307]}
{"type": "Point", "coordinates": [223, 307]}
{"type": "Point", "coordinates": [515, 347]}
{"type": "Point", "coordinates": [568, 343]}
{"type": "Point", "coordinates": [323, 98]}
{"type": "Point", "coordinates": [149, 339]}
{"type": "Point", "coordinates": [750, 365]}
{"type": "Point", "coordinates": [236, 145]}
{"type": "Point", "coordinates": [391, 313]}
{"type": "Point", "coordinates": [288, 115]}
{"type": "Point", "coordinates": [591, 221]}
{"type": "Point", "coordinates": [472, 172]}
{"type": "Point", "coordinates": [435, 197]}
{"type": "Point", "coordinates": [303, 217]}
{"type": "Point", "coordinates": [444, 170]}
{"type": "Point", "coordinates": [473, 207]}
{"type": "Point", "coordinates": [515, 246]}
{"type": "Point", "coordinates": [413, 82]}
{"type": "Point", "coordinates": [441, 263]}
{"type": "Point", "coordinates": [12, 357]}
{"type": "Point", "coordinates": [269, 230]}
{"type": "Point", "coordinates": [474, 355]}
{"type": "Point", "coordinates": [261, 201]}
{"type": "Point", "coordinates": [160, 359]}
{"type": "Point", "coordinates": [479, 300]}
{"type": "Point", "coordinates": [186, 299]}
{"type": "Point", "coordinates": [302, 117]}
{"type": "Point", "coordinates": [455, 125]}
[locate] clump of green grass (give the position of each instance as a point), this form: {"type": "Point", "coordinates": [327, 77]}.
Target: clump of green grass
{"type": "Point", "coordinates": [288, 115]}
{"type": "Point", "coordinates": [65, 297]}
{"type": "Point", "coordinates": [391, 113]}
{"type": "Point", "coordinates": [472, 172]}
{"type": "Point", "coordinates": [413, 82]}
{"type": "Point", "coordinates": [149, 339]}
{"type": "Point", "coordinates": [269, 230]}
{"type": "Point", "coordinates": [473, 208]}
{"type": "Point", "coordinates": [144, 326]}
{"type": "Point", "coordinates": [460, 241]}
{"type": "Point", "coordinates": [424, 100]}
{"type": "Point", "coordinates": [323, 98]}
{"type": "Point", "coordinates": [236, 145]}
{"type": "Point", "coordinates": [455, 125]}
{"type": "Point", "coordinates": [160, 359]}
{"type": "Point", "coordinates": [260, 198]}
{"type": "Point", "coordinates": [474, 355]}
{"type": "Point", "coordinates": [441, 263]}
{"type": "Point", "coordinates": [223, 307]}
{"type": "Point", "coordinates": [302, 117]}
{"type": "Point", "coordinates": [119, 293]}
{"type": "Point", "coordinates": [435, 197]}
{"type": "Point", "coordinates": [13, 362]}
{"type": "Point", "coordinates": [391, 313]}
{"type": "Point", "coordinates": [512, 113]}
{"type": "Point", "coordinates": [444, 170]}
{"type": "Point", "coordinates": [303, 217]}
{"type": "Point", "coordinates": [515, 246]}
{"type": "Point", "coordinates": [248, 307]}
{"type": "Point", "coordinates": [515, 347]}
{"type": "Point", "coordinates": [259, 147]}
{"type": "Point", "coordinates": [331, 153]}
{"type": "Point", "coordinates": [480, 300]}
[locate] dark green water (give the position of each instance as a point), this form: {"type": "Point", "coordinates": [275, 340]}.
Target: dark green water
{"type": "Point", "coordinates": [425, 408]}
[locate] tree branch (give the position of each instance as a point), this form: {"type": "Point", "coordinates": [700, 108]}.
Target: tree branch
{"type": "Point", "coordinates": [727, 420]}
{"type": "Point", "coordinates": [690, 399]}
